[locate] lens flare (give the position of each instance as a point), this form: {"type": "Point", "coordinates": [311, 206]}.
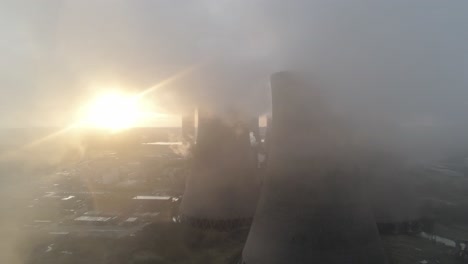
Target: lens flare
{"type": "Point", "coordinates": [113, 111]}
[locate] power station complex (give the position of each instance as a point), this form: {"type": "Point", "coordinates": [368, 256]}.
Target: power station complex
{"type": "Point", "coordinates": [312, 203]}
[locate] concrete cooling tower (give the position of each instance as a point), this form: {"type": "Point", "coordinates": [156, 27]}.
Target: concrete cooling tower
{"type": "Point", "coordinates": [312, 207]}
{"type": "Point", "coordinates": [222, 190]}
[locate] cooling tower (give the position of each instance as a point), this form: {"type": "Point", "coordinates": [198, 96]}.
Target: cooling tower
{"type": "Point", "coordinates": [222, 190]}
{"type": "Point", "coordinates": [312, 208]}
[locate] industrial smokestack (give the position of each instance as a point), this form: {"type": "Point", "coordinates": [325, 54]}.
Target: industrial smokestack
{"type": "Point", "coordinates": [312, 207]}
{"type": "Point", "coordinates": [222, 190]}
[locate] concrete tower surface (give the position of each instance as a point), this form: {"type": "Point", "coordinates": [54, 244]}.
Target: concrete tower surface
{"type": "Point", "coordinates": [312, 207]}
{"type": "Point", "coordinates": [222, 190]}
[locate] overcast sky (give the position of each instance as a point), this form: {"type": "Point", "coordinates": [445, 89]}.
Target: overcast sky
{"type": "Point", "coordinates": [399, 58]}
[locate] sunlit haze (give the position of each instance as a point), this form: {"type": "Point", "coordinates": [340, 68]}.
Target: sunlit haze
{"type": "Point", "coordinates": [115, 111]}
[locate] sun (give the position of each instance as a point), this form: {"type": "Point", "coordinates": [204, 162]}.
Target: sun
{"type": "Point", "coordinates": [113, 111]}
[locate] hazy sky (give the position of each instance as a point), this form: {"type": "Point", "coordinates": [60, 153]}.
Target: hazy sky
{"type": "Point", "coordinates": [398, 58]}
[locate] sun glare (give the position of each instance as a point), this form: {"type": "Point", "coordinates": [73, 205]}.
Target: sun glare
{"type": "Point", "coordinates": [113, 111]}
